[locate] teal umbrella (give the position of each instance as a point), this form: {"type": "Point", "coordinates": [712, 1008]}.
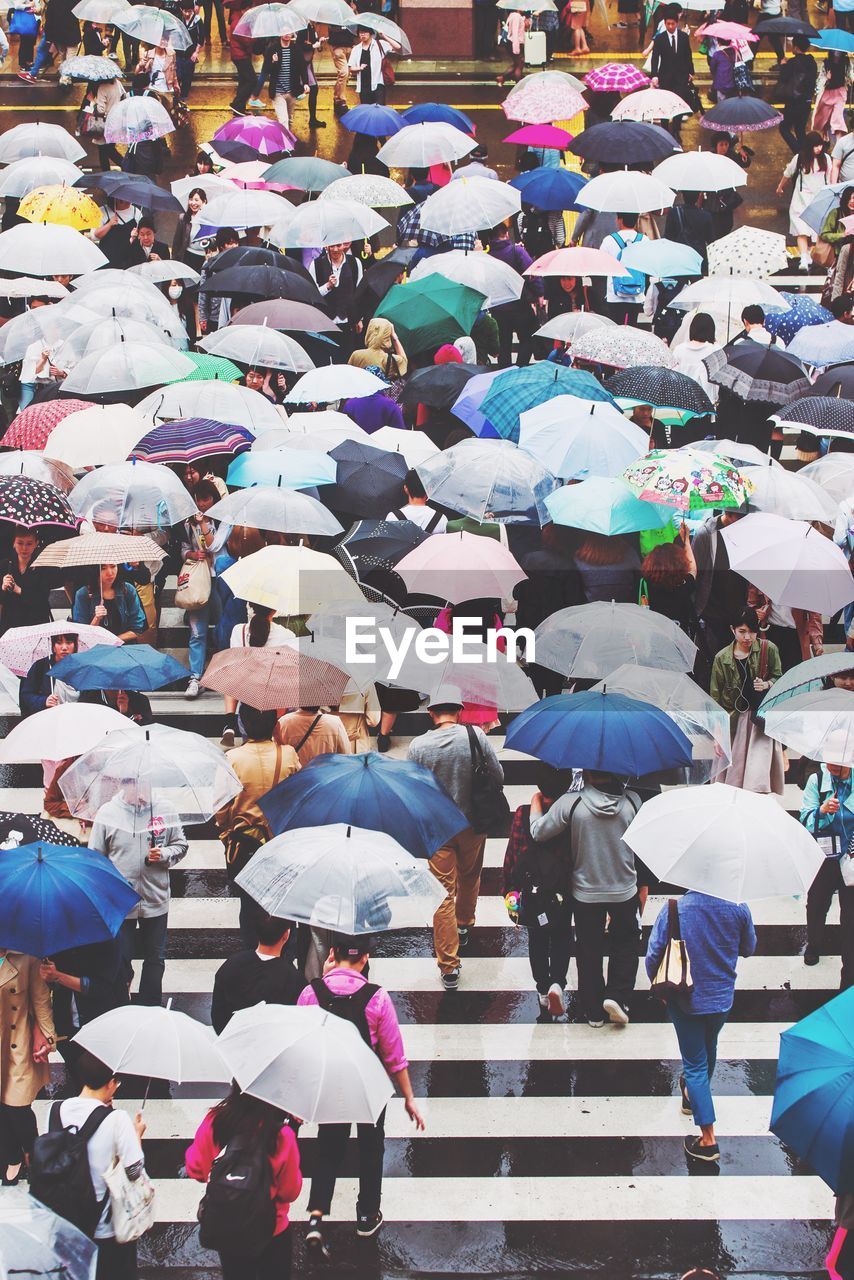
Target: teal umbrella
{"type": "Point", "coordinates": [605, 506]}
{"type": "Point", "coordinates": [207, 367]}
{"type": "Point", "coordinates": [305, 173]}
{"type": "Point", "coordinates": [517, 389]}
{"type": "Point", "coordinates": [429, 312]}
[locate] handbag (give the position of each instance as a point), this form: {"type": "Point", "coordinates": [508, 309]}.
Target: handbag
{"type": "Point", "coordinates": [674, 973]}
{"type": "Point", "coordinates": [194, 581]}
{"type": "Point", "coordinates": [490, 809]}
{"type": "Point", "coordinates": [23, 23]}
{"type": "Point", "coordinates": [131, 1203]}
{"type": "Point", "coordinates": [823, 254]}
{"type": "Point", "coordinates": [387, 70]}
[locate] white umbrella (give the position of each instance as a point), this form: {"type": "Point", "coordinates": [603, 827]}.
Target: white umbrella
{"type": "Point", "coordinates": [592, 640]}
{"type": "Point", "coordinates": [278, 509]}
{"type": "Point", "coordinates": [129, 366]}
{"type": "Point", "coordinates": [39, 139]}
{"type": "Point", "coordinates": [787, 493]}
{"type": "Point", "coordinates": [150, 25]}
{"type": "Point", "coordinates": [820, 725]}
{"type": "Point", "coordinates": [368, 188]}
{"type": "Point", "coordinates": [39, 466]}
{"type": "Point", "coordinates": [307, 1062]}
{"type": "Point", "coordinates": [834, 472]}
{"type": "Point", "coordinates": [748, 251]}
{"type": "Point", "coordinates": [333, 13]}
{"type": "Point", "coordinates": [625, 192]}
{"type": "Point", "coordinates": [246, 208]}
{"type": "Point", "coordinates": [651, 104]}
{"type": "Point", "coordinates": [291, 580]}
{"type": "Point", "coordinates": [163, 272]}
{"type": "Point", "coordinates": [104, 334]}
{"type": "Point", "coordinates": [140, 495]}
{"type": "Point", "coordinates": [497, 280]}
{"type": "Point", "coordinates": [258, 345]}
{"type": "Point", "coordinates": [209, 398]}
{"type": "Point", "coordinates": [420, 145]}
{"type": "Point", "coordinates": [447, 565]}
{"type": "Point", "coordinates": [157, 1043]}
{"type": "Point", "coordinates": [791, 562]}
{"type": "Point", "coordinates": [415, 446]}
{"type": "Point", "coordinates": [323, 429]}
{"type": "Point", "coordinates": [573, 324]}
{"type": "Point", "coordinates": [383, 26]}
{"type": "Point", "coordinates": [575, 438]}
{"type": "Point", "coordinates": [92, 437]}
{"type": "Point", "coordinates": [59, 732]}
{"type": "Point", "coordinates": [269, 21]}
{"type": "Point", "coordinates": [23, 176]}
{"type": "Point", "coordinates": [9, 692]}
{"type": "Point", "coordinates": [317, 223]}
{"type": "Point", "coordinates": [99, 11]}
{"type": "Point", "coordinates": [700, 171]}
{"type": "Point", "coordinates": [35, 1241]}
{"type": "Point", "coordinates": [625, 349]}
{"type": "Point", "coordinates": [137, 300]}
{"type": "Point", "coordinates": [729, 293]}
{"type": "Point", "coordinates": [528, 6]}
{"type": "Point", "coordinates": [28, 287]}
{"type": "Point", "coordinates": [469, 204]}
{"type": "Point", "coordinates": [44, 249]}
{"type": "Point", "coordinates": [20, 647]}
{"type": "Point", "coordinates": [738, 451]}
{"type": "Point", "coordinates": [48, 325]}
{"type": "Point", "coordinates": [334, 382]}
{"type": "Point", "coordinates": [137, 119]}
{"type": "Point", "coordinates": [213, 185]}
{"type": "Point", "coordinates": [732, 844]}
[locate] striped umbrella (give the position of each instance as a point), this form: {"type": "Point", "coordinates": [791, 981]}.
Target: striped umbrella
{"type": "Point", "coordinates": [616, 77]}
{"type": "Point", "coordinates": [186, 439]}
{"type": "Point", "coordinates": [31, 428]}
{"type": "Point", "coordinates": [273, 678]}
{"type": "Point", "coordinates": [31, 503]}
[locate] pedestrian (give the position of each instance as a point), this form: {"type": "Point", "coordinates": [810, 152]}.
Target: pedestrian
{"type": "Point", "coordinates": [337, 273]}
{"type": "Point", "coordinates": [199, 545]}
{"type": "Point", "coordinates": [186, 60]}
{"type": "Point", "coordinates": [27, 1036]}
{"type": "Point", "coordinates": [311, 732]}
{"type": "Point", "coordinates": [742, 673]}
{"type": "Point", "coordinates": [345, 991]}
{"type": "Point", "coordinates": [340, 41]}
{"type": "Point", "coordinates": [85, 982]}
{"type": "Point", "coordinates": [214, 309]}
{"type": "Point", "coordinates": [519, 318]}
{"type": "Point", "coordinates": [60, 38]}
{"type": "Point", "coordinates": [383, 348]}
{"type": "Point", "coordinates": [797, 79]}
{"type": "Point", "coordinates": [260, 974]}
{"type": "Point", "coordinates": [417, 508]}
{"type": "Point", "coordinates": [715, 933]}
{"type": "Point", "coordinates": [208, 8]}
{"type": "Point", "coordinates": [672, 63]}
{"type": "Point", "coordinates": [258, 632]}
{"type": "Point", "coordinates": [690, 224]}
{"type": "Point", "coordinates": [689, 356]}
{"type": "Point", "coordinates": [144, 245]}
{"type": "Point", "coordinates": [110, 602]}
{"type": "Point", "coordinates": [40, 690]}
{"type": "Point", "coordinates": [842, 156]}
{"type": "Point", "coordinates": [241, 49]}
{"type": "Point", "coordinates": [834, 78]}
{"type": "Point", "coordinates": [809, 172]}
{"type": "Point", "coordinates": [515, 29]}
{"type": "Point", "coordinates": [284, 70]}
{"type": "Point", "coordinates": [448, 750]}
{"type": "Point", "coordinates": [24, 589]}
{"type": "Point", "coordinates": [827, 812]}
{"type": "Point", "coordinates": [368, 62]}
{"type": "Point", "coordinates": [624, 294]}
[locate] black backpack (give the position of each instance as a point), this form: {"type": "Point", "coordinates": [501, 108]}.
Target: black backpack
{"type": "Point", "coordinates": [59, 1170]}
{"type": "Point", "coordinates": [352, 1007]}
{"type": "Point", "coordinates": [237, 1213]}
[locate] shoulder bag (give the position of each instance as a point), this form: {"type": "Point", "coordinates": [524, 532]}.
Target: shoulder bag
{"type": "Point", "coordinates": [490, 810]}
{"type": "Point", "coordinates": [194, 581]}
{"type": "Point", "coordinates": [674, 973]}
{"type": "Point", "coordinates": [131, 1203]}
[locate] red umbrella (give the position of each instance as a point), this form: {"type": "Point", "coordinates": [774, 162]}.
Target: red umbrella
{"type": "Point", "coordinates": [31, 428]}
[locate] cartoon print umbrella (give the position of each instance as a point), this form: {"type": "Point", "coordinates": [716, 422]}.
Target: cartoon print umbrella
{"type": "Point", "coordinates": [687, 480]}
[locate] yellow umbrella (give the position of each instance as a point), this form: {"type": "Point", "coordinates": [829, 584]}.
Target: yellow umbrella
{"type": "Point", "coordinates": [64, 206]}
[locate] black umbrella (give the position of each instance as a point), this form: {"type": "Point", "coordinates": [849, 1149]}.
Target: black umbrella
{"type": "Point", "coordinates": [261, 282]}
{"type": "Point", "coordinates": [437, 386]}
{"type": "Point", "coordinates": [369, 481]}
{"type": "Point", "coordinates": [257, 256]}
{"type": "Point", "coordinates": [375, 284]}
{"type": "Point", "coordinates": [379, 544]}
{"type": "Point", "coordinates": [784, 27]}
{"type": "Point", "coordinates": [837, 381]}
{"type": "Point", "coordinates": [753, 371]}
{"type": "Point", "coordinates": [661, 388]}
{"type": "Point", "coordinates": [403, 255]}
{"type": "Point", "coordinates": [136, 188]}
{"type": "Point", "coordinates": [820, 415]}
{"type": "Point", "coordinates": [741, 115]}
{"type": "Point", "coordinates": [24, 828]}
{"type": "Point", "coordinates": [624, 142]}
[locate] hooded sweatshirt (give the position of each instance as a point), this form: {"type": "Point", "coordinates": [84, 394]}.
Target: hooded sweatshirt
{"type": "Point", "coordinates": [603, 866]}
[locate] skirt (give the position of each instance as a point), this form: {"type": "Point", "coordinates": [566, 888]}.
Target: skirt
{"type": "Point", "coordinates": [757, 760]}
{"type": "Point", "coordinates": [830, 110]}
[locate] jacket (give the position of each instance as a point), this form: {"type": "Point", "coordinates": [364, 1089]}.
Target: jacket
{"type": "Point", "coordinates": [246, 979]}
{"type": "Point", "coordinates": [670, 68]}
{"type": "Point", "coordinates": [446, 751]}
{"type": "Point", "coordinates": [726, 676]}
{"type": "Point", "coordinates": [327, 736]}
{"type": "Point", "coordinates": [832, 230]}
{"type": "Point", "coordinates": [284, 1163]}
{"type": "Point", "coordinates": [60, 25]}
{"type": "Point", "coordinates": [24, 1003]}
{"type": "Point", "coordinates": [127, 850]}
{"type": "Point", "coordinates": [136, 254]}
{"type": "Point", "coordinates": [715, 933]}
{"type": "Point", "coordinates": [273, 61]}
{"type": "Point", "coordinates": [37, 686]}
{"type": "Point", "coordinates": [170, 73]}
{"type": "Point", "coordinates": [837, 827]}
{"type": "Point", "coordinates": [259, 766]}
{"type": "Point", "coordinates": [131, 614]}
{"type": "Point", "coordinates": [532, 864]}
{"type": "Point", "coordinates": [809, 626]}
{"type": "Point", "coordinates": [33, 604]}
{"type": "Point", "coordinates": [797, 79]}
{"type": "Point", "coordinates": [380, 1013]}
{"type": "Point", "coordinates": [603, 866]}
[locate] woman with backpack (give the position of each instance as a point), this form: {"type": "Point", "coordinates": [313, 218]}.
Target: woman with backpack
{"type": "Point", "coordinates": [246, 1141]}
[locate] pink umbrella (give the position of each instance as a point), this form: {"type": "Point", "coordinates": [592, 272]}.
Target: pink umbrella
{"type": "Point", "coordinates": [542, 101]}
{"type": "Point", "coordinates": [616, 77]}
{"type": "Point", "coordinates": [651, 104]}
{"type": "Point", "coordinates": [31, 428]}
{"type": "Point", "coordinates": [540, 135]}
{"type": "Point", "coordinates": [576, 262]}
{"type": "Point", "coordinates": [460, 566]}
{"type": "Point", "coordinates": [267, 137]}
{"type": "Point", "coordinates": [727, 31]}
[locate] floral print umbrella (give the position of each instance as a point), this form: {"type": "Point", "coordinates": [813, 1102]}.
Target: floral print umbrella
{"type": "Point", "coordinates": [621, 347]}
{"type": "Point", "coordinates": [687, 480]}
{"type": "Point", "coordinates": [31, 428]}
{"type": "Point", "coordinates": [30, 503]}
{"type": "Point", "coordinates": [542, 102]}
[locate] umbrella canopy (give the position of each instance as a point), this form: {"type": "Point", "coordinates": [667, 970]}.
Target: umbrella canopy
{"type": "Point", "coordinates": [258, 345]}
{"type": "Point", "coordinates": [266, 137]}
{"type": "Point", "coordinates": [414, 446]}
{"type": "Point", "coordinates": [836, 381]}
{"type": "Point", "coordinates": [625, 191]}
{"type": "Point", "coordinates": [756, 372]}
{"type": "Point", "coordinates": [599, 730]}
{"type": "Point", "coordinates": [32, 427]}
{"type": "Point", "coordinates": [721, 840]}
{"type": "Point", "coordinates": [516, 389]}
{"type": "Point", "coordinates": [729, 294]}
{"type": "Point", "coordinates": [803, 311]}
{"type": "Point", "coordinates": [59, 732]}
{"type": "Point", "coordinates": [576, 261]}
{"type": "Point", "coordinates": [662, 389]}
{"type": "Point", "coordinates": [787, 493]}
{"type": "Point", "coordinates": [138, 119]}
{"type": "Point", "coordinates": [40, 249]}
{"type": "Point", "coordinates": [37, 1241]}
{"type": "Point", "coordinates": [625, 142]}
{"type": "Point", "coordinates": [783, 27]}
{"type": "Point", "coordinates": [537, 100]}
{"type": "Point", "coordinates": [20, 463]}
{"type": "Point", "coordinates": [820, 725]}
{"type": "Point", "coordinates": [791, 562]}
{"type": "Point", "coordinates": [821, 415]}
{"type": "Point", "coordinates": [651, 104]}
{"type": "Point", "coordinates": [469, 204]}
{"type": "Point", "coordinates": [378, 544]}
{"type": "Point", "coordinates": [842, 40]}
{"type": "Point", "coordinates": [616, 77]}
{"type": "Point", "coordinates": [421, 145]}
{"type": "Point", "coordinates": [822, 203]}
{"type": "Point", "coordinates": [369, 481]}
{"type": "Point", "coordinates": [320, 429]}
{"type": "Point", "coordinates": [20, 647]}
{"type": "Point", "coordinates": [100, 334]}
{"type": "Point", "coordinates": [139, 495]}
{"type": "Point", "coordinates": [129, 366]}
{"type": "Point", "coordinates": [207, 367]}
{"type": "Point", "coordinates": [605, 505]}
{"type": "Point", "coordinates": [342, 877]}
{"type": "Point", "coordinates": [749, 251]}
{"type": "Point", "coordinates": [100, 548]}
{"type": "Point", "coordinates": [157, 1043]}
{"type": "Point", "coordinates": [61, 206]}
{"type": "Point", "coordinates": [496, 280]}
{"type": "Point", "coordinates": [491, 478]}
{"type": "Point", "coordinates": [22, 176]}
{"type": "Point", "coordinates": [590, 641]}
{"type": "Point", "coordinates": [547, 188]}
{"type": "Point", "coordinates": [305, 173]}
{"type": "Point", "coordinates": [291, 580]}
{"type": "Point", "coordinates": [53, 897]}
{"type": "Point", "coordinates": [368, 188]}
{"type": "Point", "coordinates": [221, 401]}
{"type": "Point", "coordinates": [438, 112]}
{"type": "Point", "coordinates": [438, 385]}
{"type": "Point", "coordinates": [383, 26]}
{"type": "Point", "coordinates": [89, 69]}
{"type": "Point", "coordinates": [39, 139]}
{"type": "Point", "coordinates": [700, 171]}
{"type": "Point", "coordinates": [835, 474]}
{"type": "Point", "coordinates": [269, 21]}
{"type": "Point", "coordinates": [544, 136]}
{"type": "Point", "coordinates": [244, 208]}
{"type": "Point", "coordinates": [807, 678]}
{"type": "Point", "coordinates": [136, 188]}
{"type": "Point", "coordinates": [261, 280]}
{"type": "Point", "coordinates": [374, 120]}
{"type": "Point", "coordinates": [741, 115]}
{"type": "Point", "coordinates": [30, 504]}
{"type": "Point", "coordinates": [306, 1062]}
{"type": "Point", "coordinates": [269, 678]}
{"type": "Point", "coordinates": [576, 438]}
{"type": "Point", "coordinates": [133, 666]}
{"type": "Point", "coordinates": [10, 692]}
{"type": "Point", "coordinates": [17, 829]}
{"type": "Point", "coordinates": [460, 566]}
{"type": "Point", "coordinates": [298, 317]}
{"type": "Point", "coordinates": [815, 1090]}
{"type": "Point", "coordinates": [823, 344]}
{"type": "Point", "coordinates": [277, 509]}
{"type": "Point", "coordinates": [286, 467]}
{"type": "Point", "coordinates": [334, 382]}
{"type": "Point", "coordinates": [187, 440]}
{"type": "Point", "coordinates": [317, 223]}
{"type": "Point", "coordinates": [662, 258]}
{"type": "Point", "coordinates": [623, 348]}
{"type": "Point", "coordinates": [687, 480]}
{"type": "Point", "coordinates": [430, 311]}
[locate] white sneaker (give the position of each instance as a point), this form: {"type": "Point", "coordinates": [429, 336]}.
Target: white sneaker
{"type": "Point", "coordinates": [554, 1001]}
{"type": "Point", "coordinates": [616, 1012]}
{"type": "Point", "coordinates": [544, 1002]}
{"type": "Point", "coordinates": [193, 688]}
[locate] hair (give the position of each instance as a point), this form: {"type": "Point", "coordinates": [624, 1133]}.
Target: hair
{"type": "Point", "coordinates": [414, 484]}
{"type": "Point", "coordinates": [629, 220]}
{"type": "Point", "coordinates": [847, 193]}
{"type": "Point", "coordinates": [753, 314]}
{"type": "Point", "coordinates": [196, 191]}
{"type": "Point", "coordinates": [225, 236]}
{"type": "Point", "coordinates": [257, 725]}
{"type": "Point", "coordinates": [21, 532]}
{"type": "Point", "coordinates": [145, 224]}
{"type": "Point", "coordinates": [202, 157]}
{"type": "Point", "coordinates": [206, 489]}
{"type": "Point", "coordinates": [271, 928]}
{"type": "Point", "coordinates": [806, 159]}
{"type": "Point", "coordinates": [841, 306]}
{"type": "Point", "coordinates": [72, 636]}
{"type": "Point", "coordinates": [801, 43]}
{"type": "Point", "coordinates": [600, 549]}
{"type": "Point", "coordinates": [690, 198]}
{"type": "Point", "coordinates": [260, 622]}
{"type": "Point", "coordinates": [418, 175]}
{"type": "Point", "coordinates": [552, 782]}
{"type": "Point", "coordinates": [745, 618]}
{"type": "Point", "coordinates": [238, 1113]}
{"type": "Point", "coordinates": [702, 328]}
{"type": "Point", "coordinates": [91, 1071]}
{"type": "Point", "coordinates": [346, 946]}
{"type": "Point", "coordinates": [445, 709]}
{"type": "Point", "coordinates": [666, 565]}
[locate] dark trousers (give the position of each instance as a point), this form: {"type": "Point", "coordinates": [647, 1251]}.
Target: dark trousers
{"type": "Point", "coordinates": [116, 1261]}
{"type": "Point", "coordinates": [591, 939]}
{"type": "Point", "coordinates": [330, 1148]}
{"type": "Point", "coordinates": [485, 26]}
{"type": "Point", "coordinates": [273, 1264]}
{"type": "Point", "coordinates": [518, 318]}
{"type": "Point", "coordinates": [794, 127]}
{"type": "Point", "coordinates": [207, 19]}
{"type": "Point", "coordinates": [549, 949]}
{"type": "Point", "coordinates": [247, 917]}
{"type": "Point", "coordinates": [152, 940]}
{"type": "Point", "coordinates": [827, 882]}
{"type": "Point", "coordinates": [108, 154]}
{"type": "Point", "coordinates": [185, 69]}
{"type": "Point", "coordinates": [245, 83]}
{"type": "Point", "coordinates": [17, 1134]}
{"type": "Point", "coordinates": [623, 312]}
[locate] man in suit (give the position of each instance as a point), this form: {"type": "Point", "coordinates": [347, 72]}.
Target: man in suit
{"type": "Point", "coordinates": [143, 246]}
{"type": "Point", "coordinates": [672, 63]}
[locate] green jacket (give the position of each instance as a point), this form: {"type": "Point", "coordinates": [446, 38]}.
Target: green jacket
{"type": "Point", "coordinates": [832, 230]}
{"type": "Point", "coordinates": [726, 677]}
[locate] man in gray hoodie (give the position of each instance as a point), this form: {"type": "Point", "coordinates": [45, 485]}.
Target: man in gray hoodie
{"type": "Point", "coordinates": [604, 888]}
{"type": "Point", "coordinates": [142, 847]}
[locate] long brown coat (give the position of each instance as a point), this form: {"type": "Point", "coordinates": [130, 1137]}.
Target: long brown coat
{"type": "Point", "coordinates": [24, 1001]}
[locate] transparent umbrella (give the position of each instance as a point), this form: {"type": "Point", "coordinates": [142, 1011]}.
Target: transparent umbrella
{"type": "Point", "coordinates": [572, 324]}
{"type": "Point", "coordinates": [834, 472]}
{"type": "Point", "coordinates": [576, 438]}
{"type": "Point", "coordinates": [420, 145]}
{"type": "Point", "coordinates": [39, 466]}
{"type": "Point", "coordinates": [280, 510]}
{"type": "Point", "coordinates": [209, 398]}
{"type": "Point", "coordinates": [256, 344]}
{"type": "Point", "coordinates": [489, 479]}
{"type": "Point", "coordinates": [39, 139]}
{"type": "Point", "coordinates": [35, 1241]}
{"type": "Point", "coordinates": [497, 280]}
{"type": "Point", "coordinates": [788, 493]}
{"type": "Point", "coordinates": [323, 430]}
{"type": "Point", "coordinates": [819, 724]}
{"type": "Point", "coordinates": [43, 249]}
{"type": "Point", "coordinates": [49, 325]}
{"type": "Point", "coordinates": [368, 188]}
{"type": "Point", "coordinates": [151, 25]}
{"type": "Point", "coordinates": [24, 175]}
{"type": "Point", "coordinates": [269, 21]}
{"type": "Point", "coordinates": [99, 10]}
{"type": "Point", "coordinates": [333, 12]}
{"type": "Point", "coordinates": [317, 223]}
{"type": "Point", "coordinates": [101, 334]}
{"type": "Point", "coordinates": [132, 297]}
{"type": "Point", "coordinates": [334, 382]}
{"type": "Point", "coordinates": [138, 119]}
{"type": "Point", "coordinates": [469, 204]}
{"type": "Point", "coordinates": [384, 27]}
{"type": "Point", "coordinates": [589, 641]}
{"type": "Point", "coordinates": [246, 209]}
{"type": "Point", "coordinates": [137, 495]}
{"type": "Point", "coordinates": [29, 287]}
{"type": "Point", "coordinates": [128, 366]}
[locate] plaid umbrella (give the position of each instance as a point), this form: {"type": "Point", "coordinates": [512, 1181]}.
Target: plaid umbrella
{"type": "Point", "coordinates": [186, 439]}
{"type": "Point", "coordinates": [661, 388]}
{"type": "Point", "coordinates": [748, 251]}
{"type": "Point", "coordinates": [741, 115]}
{"type": "Point", "coordinates": [100, 548]}
{"type": "Point", "coordinates": [25, 828]}
{"type": "Point", "coordinates": [820, 415]}
{"type": "Point", "coordinates": [378, 544]}
{"type": "Point", "coordinates": [211, 367]}
{"type": "Point", "coordinates": [756, 372]}
{"type": "Point", "coordinates": [616, 77]}
{"type": "Point", "coordinates": [369, 481]}
{"type": "Point", "coordinates": [31, 428]}
{"type": "Point", "coordinates": [265, 137]}
{"type": "Point", "coordinates": [624, 347]}
{"type": "Point", "coordinates": [32, 503]}
{"type": "Point", "coordinates": [515, 390]}
{"type": "Point", "coordinates": [687, 480]}
{"type": "Point", "coordinates": [273, 678]}
{"type": "Point", "coordinates": [20, 647]}
{"type": "Point", "coordinates": [803, 311]}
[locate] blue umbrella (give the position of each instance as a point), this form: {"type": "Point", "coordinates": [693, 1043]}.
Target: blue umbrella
{"type": "Point", "coordinates": [288, 468]}
{"type": "Point", "coordinates": [398, 797]}
{"type": "Point", "coordinates": [438, 113]}
{"type": "Point", "coordinates": [372, 119]}
{"type": "Point", "coordinates": [823, 344]}
{"type": "Point", "coordinates": [127, 666]}
{"type": "Point", "coordinates": [548, 188]}
{"type": "Point", "coordinates": [803, 311]}
{"type": "Point", "coordinates": [53, 897]}
{"type": "Point", "coordinates": [518, 389]}
{"type": "Point", "coordinates": [834, 39]}
{"type": "Point", "coordinates": [663, 258]}
{"type": "Point", "coordinates": [604, 506]}
{"type": "Point", "coordinates": [600, 730]}
{"type": "Point", "coordinates": [821, 204]}
{"type": "Point", "coordinates": [814, 1097]}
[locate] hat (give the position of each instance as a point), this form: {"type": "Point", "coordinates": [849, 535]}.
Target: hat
{"type": "Point", "coordinates": [447, 695]}
{"type": "Point", "coordinates": [480, 152]}
{"type": "Point", "coordinates": [353, 945]}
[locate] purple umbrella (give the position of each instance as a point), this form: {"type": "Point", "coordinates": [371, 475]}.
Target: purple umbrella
{"type": "Point", "coordinates": [265, 137]}
{"type": "Point", "coordinates": [466, 407]}
{"type": "Point", "coordinates": [187, 439]}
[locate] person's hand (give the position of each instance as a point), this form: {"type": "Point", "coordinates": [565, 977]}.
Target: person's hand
{"type": "Point", "coordinates": [8, 582]}
{"type": "Point", "coordinates": [203, 326]}
{"type": "Point", "coordinates": [41, 1048]}
{"type": "Point", "coordinates": [653, 84]}
{"type": "Point", "coordinates": [333, 280]}
{"type": "Point", "coordinates": [329, 963]}
{"type": "Point", "coordinates": [99, 615]}
{"type": "Point", "coordinates": [133, 235]}
{"type": "Point", "coordinates": [140, 1125]}
{"type": "Point", "coordinates": [831, 805]}
{"type": "Point", "coordinates": [51, 700]}
{"type": "Point", "coordinates": [154, 257]}
{"type": "Point", "coordinates": [48, 971]}
{"type": "Point", "coordinates": [817, 648]}
{"type": "Point", "coordinates": [414, 1114]}
{"type": "Point", "coordinates": [761, 685]}
{"type": "Point", "coordinates": [155, 854]}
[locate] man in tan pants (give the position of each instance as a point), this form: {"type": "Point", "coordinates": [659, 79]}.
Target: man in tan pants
{"type": "Point", "coordinates": [341, 41]}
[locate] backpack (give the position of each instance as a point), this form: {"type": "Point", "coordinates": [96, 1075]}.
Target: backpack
{"type": "Point", "coordinates": [22, 22]}
{"type": "Point", "coordinates": [634, 283]}
{"type": "Point", "coordinates": [59, 1170]}
{"type": "Point", "coordinates": [237, 1213]}
{"type": "Point", "coordinates": [352, 1007]}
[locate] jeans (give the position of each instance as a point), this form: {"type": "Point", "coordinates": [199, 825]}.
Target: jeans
{"type": "Point", "coordinates": [207, 19]}
{"type": "Point", "coordinates": [457, 866]}
{"type": "Point", "coordinates": [828, 881]}
{"type": "Point", "coordinates": [116, 1261]}
{"type": "Point", "coordinates": [549, 949]}
{"type": "Point", "coordinates": [794, 127]}
{"type": "Point", "coordinates": [28, 390]}
{"type": "Point", "coordinates": [273, 1264]}
{"type": "Point", "coordinates": [622, 941]}
{"type": "Point", "coordinates": [43, 56]}
{"type": "Point", "coordinates": [697, 1034]}
{"type": "Point", "coordinates": [152, 936]}
{"type": "Point", "coordinates": [185, 69]}
{"type": "Point", "coordinates": [331, 1145]}
{"type": "Point", "coordinates": [198, 620]}
{"type": "Point", "coordinates": [518, 318]}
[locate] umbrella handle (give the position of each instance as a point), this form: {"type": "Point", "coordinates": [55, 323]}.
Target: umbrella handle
{"type": "Point", "coordinates": [145, 1095]}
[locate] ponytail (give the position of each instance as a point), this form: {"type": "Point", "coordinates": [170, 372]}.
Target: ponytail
{"type": "Point", "coordinates": [259, 626]}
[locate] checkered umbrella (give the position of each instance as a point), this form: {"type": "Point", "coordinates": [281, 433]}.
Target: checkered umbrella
{"type": "Point", "coordinates": [616, 77]}
{"type": "Point", "coordinates": [100, 548]}
{"type": "Point", "coordinates": [272, 678]}
{"type": "Point", "coordinates": [803, 311]}
{"type": "Point", "coordinates": [32, 503]}
{"type": "Point", "coordinates": [515, 390]}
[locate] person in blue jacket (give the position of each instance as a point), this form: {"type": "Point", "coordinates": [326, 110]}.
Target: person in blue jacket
{"type": "Point", "coordinates": [37, 690]}
{"type": "Point", "coordinates": [111, 603]}
{"type": "Point", "coordinates": [827, 812]}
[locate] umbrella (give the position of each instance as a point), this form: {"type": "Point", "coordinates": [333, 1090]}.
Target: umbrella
{"type": "Point", "coordinates": [460, 566]}
{"type": "Point", "coordinates": [787, 493]}
{"type": "Point", "coordinates": [243, 208]}
{"type": "Point", "coordinates": [430, 311]}
{"type": "Point", "coordinates": [27, 287]}
{"type": "Point", "coordinates": [32, 427]}
{"type": "Point", "coordinates": [291, 580]}
{"type": "Point", "coordinates": [783, 27]}
{"type": "Point", "coordinates": [306, 1062]}
{"type": "Point", "coordinates": [136, 188]}
{"type": "Point", "coordinates": [138, 495]}
{"type": "Point", "coordinates": [59, 732]}
{"type": "Point", "coordinates": [605, 505]}
{"type": "Point", "coordinates": [539, 101]}
{"type": "Point", "coordinates": [374, 120]}
{"type": "Point", "coordinates": [100, 548]}
{"type": "Point", "coordinates": [421, 145]}
{"type": "Point", "coordinates": [749, 251]}
{"type": "Point", "coordinates": [252, 256]}
{"type": "Point", "coordinates": [576, 438]}
{"type": "Point", "coordinates": [157, 1043]}
{"type": "Point", "coordinates": [318, 223]}
{"type": "Point", "coordinates": [732, 844]}
{"type": "Point", "coordinates": [383, 26]}
{"type": "Point", "coordinates": [29, 504]}
{"type": "Point", "coordinates": [622, 348]}
{"type": "Point", "coordinates": [53, 897]}
{"type": "Point", "coordinates": [792, 563]}
{"type": "Point", "coordinates": [516, 389]}
{"type": "Point", "coordinates": [687, 480]}
{"type": "Point", "coordinates": [9, 692]}
{"type": "Point", "coordinates": [209, 367]}
{"type": "Point", "coordinates": [286, 467]}
{"type": "Point", "coordinates": [278, 509]}
{"type": "Point", "coordinates": [266, 137]}
{"type": "Point", "coordinates": [651, 104]}
{"type": "Point", "coordinates": [438, 385]}
{"type": "Point", "coordinates": [841, 40]}
{"type": "Point", "coordinates": [260, 281]}
{"type": "Point", "coordinates": [39, 139]}
{"type": "Point", "coordinates": [146, 775]}
{"type": "Point", "coordinates": [625, 191]}
{"type": "Point", "coordinates": [99, 334]}
{"type": "Point", "coordinates": [821, 415]}
{"type": "Point", "coordinates": [600, 730]}
{"type": "Point", "coordinates": [547, 188]}
{"type": "Point", "coordinates": [822, 203]}
{"type": "Point", "coordinates": [332, 12]}
{"type": "Point", "coordinates": [151, 26]}
{"type": "Point", "coordinates": [17, 829]}
{"type": "Point", "coordinates": [540, 137]}
{"type": "Point", "coordinates": [439, 112]}
{"type": "Point", "coordinates": [823, 344]}
{"type": "Point", "coordinates": [258, 345]}
{"type": "Point", "coordinates": [342, 877]}
{"type": "Point", "coordinates": [320, 429]}
{"type": "Point", "coordinates": [369, 481]}
{"type": "Point", "coordinates": [89, 69]}
{"type": "Point", "coordinates": [129, 366]}
{"type": "Point", "coordinates": [625, 142]}
{"type": "Point", "coordinates": [61, 206]}
{"type": "Point", "coordinates": [662, 389]}
{"type": "Point", "coordinates": [700, 171]}
{"type": "Point", "coordinates": [305, 173]}
{"type": "Point", "coordinates": [38, 1242]}
{"type": "Point", "coordinates": [806, 677]}
{"type": "Point", "coordinates": [837, 381]}
{"type": "Point", "coordinates": [469, 204]}
{"type": "Point", "coordinates": [20, 463]}
{"type": "Point", "coordinates": [576, 261]}
{"type": "Point", "coordinates": [334, 382]}
{"type": "Point", "coordinates": [133, 666]}
{"type": "Point", "coordinates": [813, 1094]}
{"type": "Point", "coordinates": [414, 446]}
{"type": "Point", "coordinates": [496, 280]}
{"type": "Point", "coordinates": [728, 31]}
{"type": "Point", "coordinates": [741, 115]}
{"type": "Point", "coordinates": [280, 313]}
{"type": "Point", "coordinates": [616, 77]}
{"type": "Point", "coordinates": [662, 258]}
{"type": "Point", "coordinates": [213, 184]}
{"type": "Point", "coordinates": [92, 437]}
{"type": "Point", "coordinates": [22, 176]}
{"type": "Point", "coordinates": [589, 641]}
{"type": "Point", "coordinates": [819, 725]}
{"type": "Point", "coordinates": [45, 250]}
{"type": "Point", "coordinates": [731, 293]}
{"type": "Point", "coordinates": [378, 544]}
{"type": "Point", "coordinates": [756, 372]}
{"type": "Point", "coordinates": [803, 312]}
{"type": "Point", "coordinates": [98, 10]}
{"type": "Point", "coordinates": [269, 678]}
{"type": "Point", "coordinates": [489, 479]}
{"type": "Point", "coordinates": [187, 440]}
{"type": "Point", "coordinates": [368, 188]}
{"type": "Point", "coordinates": [835, 474]}
{"type": "Point", "coordinates": [20, 647]}
{"type": "Point", "coordinates": [211, 399]}
{"type": "Point", "coordinates": [138, 119]}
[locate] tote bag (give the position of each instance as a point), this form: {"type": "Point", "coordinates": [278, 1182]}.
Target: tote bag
{"type": "Point", "coordinates": [674, 973]}
{"type": "Point", "coordinates": [131, 1203]}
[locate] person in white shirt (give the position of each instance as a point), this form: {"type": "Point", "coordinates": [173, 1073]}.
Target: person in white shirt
{"type": "Point", "coordinates": [260, 632]}
{"type": "Point", "coordinates": [688, 356]}
{"type": "Point", "coordinates": [366, 61]}
{"type": "Point", "coordinates": [476, 166]}
{"type": "Point", "coordinates": [417, 509]}
{"type": "Point", "coordinates": [624, 300]}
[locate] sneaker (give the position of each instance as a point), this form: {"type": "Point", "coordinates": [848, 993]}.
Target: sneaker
{"type": "Point", "coordinates": [257, 103]}
{"type": "Point", "coordinates": [192, 688]}
{"type": "Point", "coordinates": [596, 1023]}
{"type": "Point", "coordinates": [811, 956]}
{"type": "Point", "coordinates": [544, 1001]}
{"type": "Point", "coordinates": [316, 123]}
{"type": "Point", "coordinates": [28, 76]}
{"type": "Point", "coordinates": [581, 1021]}
{"type": "Point", "coordinates": [463, 933]}
{"type": "Point", "coordinates": [451, 979]}
{"type": "Point", "coordinates": [697, 1152]}
{"type": "Point", "coordinates": [554, 1000]}
{"type": "Point", "coordinates": [227, 739]}
{"type": "Point", "coordinates": [686, 1101]}
{"type": "Point", "coordinates": [617, 1012]}
{"type": "Point", "coordinates": [383, 741]}
{"type": "Point", "coordinates": [314, 1241]}
{"type": "Point", "coordinates": [368, 1224]}
{"type": "Point", "coordinates": [237, 111]}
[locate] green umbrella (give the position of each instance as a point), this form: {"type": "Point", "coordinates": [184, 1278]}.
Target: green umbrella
{"type": "Point", "coordinates": [216, 367]}
{"type": "Point", "coordinates": [305, 173]}
{"type": "Point", "coordinates": [431, 311]}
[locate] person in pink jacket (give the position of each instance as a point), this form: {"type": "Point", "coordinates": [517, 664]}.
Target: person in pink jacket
{"type": "Point", "coordinates": [345, 991]}
{"type": "Point", "coordinates": [517, 26]}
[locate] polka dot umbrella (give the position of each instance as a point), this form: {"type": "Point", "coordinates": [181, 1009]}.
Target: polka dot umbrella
{"type": "Point", "coordinates": [803, 311]}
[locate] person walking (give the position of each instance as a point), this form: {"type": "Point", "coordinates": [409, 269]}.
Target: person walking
{"type": "Point", "coordinates": [827, 812]}
{"type": "Point", "coordinates": [798, 76]}
{"type": "Point", "coordinates": [240, 48]}
{"type": "Point", "coordinates": [809, 171]}
{"type": "Point", "coordinates": [284, 70]}
{"type": "Point", "coordinates": [255, 975]}
{"type": "Point", "coordinates": [341, 41]}
{"type": "Point", "coordinates": [448, 751]}
{"type": "Point", "coordinates": [345, 991]}
{"type": "Point", "coordinates": [311, 732]}
{"type": "Point", "coordinates": [604, 888]}
{"type": "Point", "coordinates": [27, 1036]}
{"type": "Point", "coordinates": [366, 64]}
{"type": "Point", "coordinates": [742, 673]}
{"type": "Point", "coordinates": [624, 295]}
{"type": "Point", "coordinates": [715, 934]}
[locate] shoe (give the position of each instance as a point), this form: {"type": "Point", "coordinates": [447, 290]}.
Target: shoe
{"type": "Point", "coordinates": [227, 739]}
{"type": "Point", "coordinates": [257, 103]}
{"type": "Point", "coordinates": [693, 1149]}
{"type": "Point", "coordinates": [383, 741]}
{"type": "Point", "coordinates": [340, 108]}
{"type": "Point", "coordinates": [621, 26]}
{"type": "Point", "coordinates": [554, 1000]}
{"type": "Point", "coordinates": [237, 111]}
{"type": "Point", "coordinates": [596, 1022]}
{"type": "Point", "coordinates": [451, 979]}
{"type": "Point", "coordinates": [544, 1001]}
{"type": "Point", "coordinates": [11, 1182]}
{"type": "Point", "coordinates": [368, 1224]}
{"type": "Point", "coordinates": [463, 933]}
{"type": "Point", "coordinates": [617, 1012]}
{"type": "Point", "coordinates": [811, 956]}
{"type": "Point", "coordinates": [28, 76]}
{"type": "Point", "coordinates": [315, 123]}
{"type": "Point", "coordinates": [314, 1241]}
{"type": "Point", "coordinates": [192, 688]}
{"type": "Point", "coordinates": [686, 1101]}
